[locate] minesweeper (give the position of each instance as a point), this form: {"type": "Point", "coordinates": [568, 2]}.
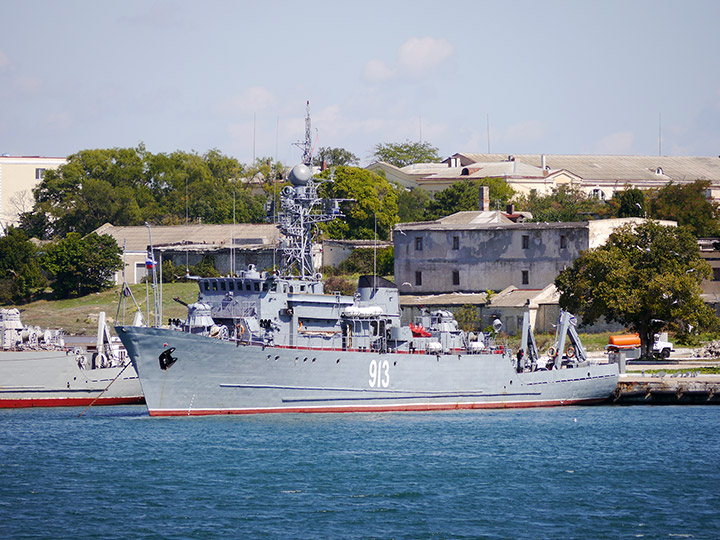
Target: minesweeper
{"type": "Point", "coordinates": [271, 342]}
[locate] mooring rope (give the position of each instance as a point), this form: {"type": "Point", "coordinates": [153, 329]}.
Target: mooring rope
{"type": "Point", "coordinates": [108, 386]}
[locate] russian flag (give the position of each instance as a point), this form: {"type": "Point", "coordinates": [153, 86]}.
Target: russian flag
{"type": "Point", "coordinates": [149, 263]}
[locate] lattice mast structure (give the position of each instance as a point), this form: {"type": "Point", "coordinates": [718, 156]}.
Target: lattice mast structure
{"type": "Point", "coordinates": [301, 213]}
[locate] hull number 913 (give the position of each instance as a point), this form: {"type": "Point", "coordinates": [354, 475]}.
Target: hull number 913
{"type": "Point", "coordinates": [379, 373]}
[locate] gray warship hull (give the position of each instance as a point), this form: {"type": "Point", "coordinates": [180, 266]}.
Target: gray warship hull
{"type": "Point", "coordinates": [215, 376]}
{"type": "Point", "coordinates": [39, 378]}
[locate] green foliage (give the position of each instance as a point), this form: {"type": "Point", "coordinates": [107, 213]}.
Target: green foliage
{"type": "Point", "coordinates": [129, 186]}
{"type": "Point", "coordinates": [205, 268]}
{"type": "Point", "coordinates": [630, 203]}
{"type": "Point", "coordinates": [172, 273]}
{"type": "Point", "coordinates": [407, 153]}
{"type": "Point", "coordinates": [646, 278]}
{"type": "Point", "coordinates": [468, 318]}
{"type": "Point", "coordinates": [688, 205]}
{"type": "Point", "coordinates": [80, 266]}
{"type": "Point", "coordinates": [35, 224]}
{"type": "Point", "coordinates": [373, 203]}
{"type": "Point", "coordinates": [335, 157]}
{"type": "Point", "coordinates": [20, 274]}
{"type": "Point", "coordinates": [563, 204]}
{"type": "Point", "coordinates": [362, 261]}
{"type": "Point", "coordinates": [465, 196]}
{"type": "Point", "coordinates": [412, 204]}
{"type": "Point", "coordinates": [341, 284]}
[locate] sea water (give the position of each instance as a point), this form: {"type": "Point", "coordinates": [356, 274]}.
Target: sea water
{"type": "Point", "coordinates": [561, 473]}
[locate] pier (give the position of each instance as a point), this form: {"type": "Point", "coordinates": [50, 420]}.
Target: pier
{"type": "Point", "coordinates": [675, 381]}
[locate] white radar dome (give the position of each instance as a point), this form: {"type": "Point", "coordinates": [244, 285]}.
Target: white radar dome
{"type": "Point", "coordinates": [300, 174]}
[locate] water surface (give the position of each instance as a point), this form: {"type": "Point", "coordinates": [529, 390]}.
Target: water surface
{"type": "Point", "coordinates": [577, 472]}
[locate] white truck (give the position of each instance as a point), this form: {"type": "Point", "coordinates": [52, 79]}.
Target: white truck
{"type": "Point", "coordinates": [630, 345]}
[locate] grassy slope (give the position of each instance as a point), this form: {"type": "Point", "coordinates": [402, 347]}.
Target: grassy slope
{"type": "Point", "coordinates": [79, 315]}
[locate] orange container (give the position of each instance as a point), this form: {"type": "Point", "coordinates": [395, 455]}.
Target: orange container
{"type": "Point", "coordinates": [625, 340]}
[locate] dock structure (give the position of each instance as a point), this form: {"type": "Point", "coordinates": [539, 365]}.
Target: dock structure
{"type": "Point", "coordinates": [658, 389]}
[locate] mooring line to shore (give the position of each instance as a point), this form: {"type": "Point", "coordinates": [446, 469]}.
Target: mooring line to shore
{"type": "Point", "coordinates": [108, 386]}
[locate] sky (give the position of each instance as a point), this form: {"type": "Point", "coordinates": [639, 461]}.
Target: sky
{"type": "Point", "coordinates": [546, 77]}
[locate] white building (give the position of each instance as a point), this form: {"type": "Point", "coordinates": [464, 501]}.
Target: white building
{"type": "Point", "coordinates": [19, 175]}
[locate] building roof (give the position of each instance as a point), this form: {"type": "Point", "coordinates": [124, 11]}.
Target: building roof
{"type": "Point", "coordinates": [630, 169]}
{"type": "Point", "coordinates": [137, 238]}
{"type": "Point", "coordinates": [463, 221]}
{"type": "Point", "coordinates": [476, 217]}
{"type": "Point", "coordinates": [445, 226]}
{"type": "Point", "coordinates": [450, 299]}
{"type": "Point", "coordinates": [518, 298]}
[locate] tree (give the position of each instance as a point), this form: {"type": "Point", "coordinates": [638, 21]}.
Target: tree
{"type": "Point", "coordinates": [688, 205]}
{"type": "Point", "coordinates": [465, 196]}
{"type": "Point", "coordinates": [80, 266]}
{"type": "Point", "coordinates": [645, 277]}
{"type": "Point", "coordinates": [630, 203]}
{"type": "Point", "coordinates": [36, 225]}
{"type": "Point", "coordinates": [129, 186]}
{"type": "Point", "coordinates": [335, 157]}
{"type": "Point", "coordinates": [372, 205]}
{"type": "Point", "coordinates": [412, 204]}
{"type": "Point", "coordinates": [20, 274]}
{"type": "Point", "coordinates": [564, 204]}
{"type": "Point", "coordinates": [407, 153]}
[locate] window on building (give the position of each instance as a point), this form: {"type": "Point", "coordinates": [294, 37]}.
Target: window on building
{"type": "Point", "coordinates": [525, 277]}
{"type": "Point", "coordinates": [456, 242]}
{"type": "Point", "coordinates": [418, 279]}
{"type": "Point", "coordinates": [418, 243]}
{"type": "Point", "coordinates": [526, 241]}
{"type": "Point", "coordinates": [39, 174]}
{"type": "Point", "coordinates": [563, 241]}
{"type": "Point", "coordinates": [716, 274]}
{"type": "Point", "coordinates": [597, 194]}
{"type": "Point", "coordinates": [456, 277]}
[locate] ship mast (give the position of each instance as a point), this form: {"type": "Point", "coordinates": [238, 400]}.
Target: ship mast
{"type": "Point", "coordinates": [301, 213]}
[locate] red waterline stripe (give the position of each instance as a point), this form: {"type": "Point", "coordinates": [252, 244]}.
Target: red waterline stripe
{"type": "Point", "coordinates": [390, 408]}
{"type": "Point", "coordinates": [67, 402]}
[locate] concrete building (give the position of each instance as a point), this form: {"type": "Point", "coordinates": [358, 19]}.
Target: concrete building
{"type": "Point", "coordinates": [19, 175]}
{"type": "Point", "coordinates": [434, 177]}
{"type": "Point", "coordinates": [232, 247]}
{"type": "Point", "coordinates": [601, 176]}
{"type": "Point", "coordinates": [597, 176]}
{"type": "Point", "coordinates": [454, 254]}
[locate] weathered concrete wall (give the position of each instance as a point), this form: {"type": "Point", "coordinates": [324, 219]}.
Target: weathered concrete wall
{"type": "Point", "coordinates": [492, 258]}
